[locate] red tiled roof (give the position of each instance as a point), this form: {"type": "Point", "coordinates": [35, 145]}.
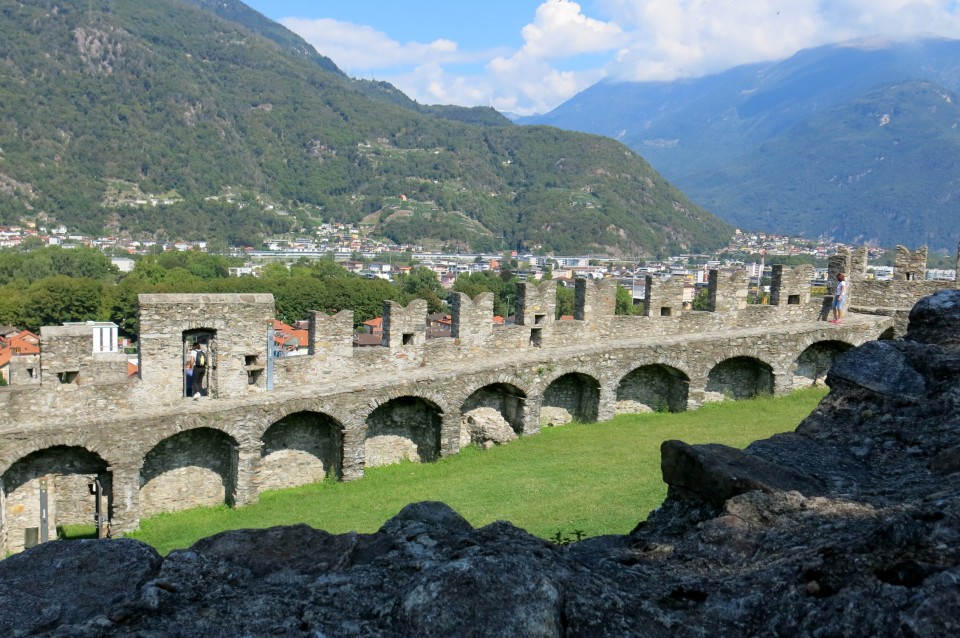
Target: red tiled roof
{"type": "Point", "coordinates": [374, 323]}
{"type": "Point", "coordinates": [303, 337]}
{"type": "Point", "coordinates": [25, 342]}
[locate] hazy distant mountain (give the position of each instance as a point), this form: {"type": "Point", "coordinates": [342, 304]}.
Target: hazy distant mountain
{"type": "Point", "coordinates": [857, 141]}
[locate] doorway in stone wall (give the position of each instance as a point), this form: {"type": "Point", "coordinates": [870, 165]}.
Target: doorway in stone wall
{"type": "Point", "coordinates": [207, 338]}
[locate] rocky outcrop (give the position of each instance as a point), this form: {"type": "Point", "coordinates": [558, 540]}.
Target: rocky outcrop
{"type": "Point", "coordinates": [849, 526]}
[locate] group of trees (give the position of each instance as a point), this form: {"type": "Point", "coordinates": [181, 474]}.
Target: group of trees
{"type": "Point", "coordinates": [53, 285]}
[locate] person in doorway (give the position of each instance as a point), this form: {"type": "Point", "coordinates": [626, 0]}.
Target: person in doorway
{"type": "Point", "coordinates": [188, 374]}
{"type": "Point", "coordinates": [199, 364]}
{"type": "Point", "coordinates": [839, 298]}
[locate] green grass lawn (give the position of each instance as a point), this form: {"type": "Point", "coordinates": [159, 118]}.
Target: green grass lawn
{"type": "Point", "coordinates": [599, 478]}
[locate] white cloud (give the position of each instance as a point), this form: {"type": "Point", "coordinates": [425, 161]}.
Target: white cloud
{"type": "Point", "coordinates": [560, 30]}
{"type": "Point", "coordinates": [358, 49]}
{"type": "Point", "coordinates": [682, 38]}
{"type": "Point", "coordinates": [564, 50]}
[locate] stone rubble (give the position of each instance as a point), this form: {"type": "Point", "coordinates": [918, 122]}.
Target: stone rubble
{"type": "Point", "coordinates": [849, 526]}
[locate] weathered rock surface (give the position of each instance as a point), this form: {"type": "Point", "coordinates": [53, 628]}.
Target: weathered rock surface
{"type": "Point", "coordinates": [849, 526]}
{"type": "Point", "coordinates": [485, 427]}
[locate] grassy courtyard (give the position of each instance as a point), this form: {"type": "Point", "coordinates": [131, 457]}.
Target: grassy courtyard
{"type": "Point", "coordinates": [600, 478]}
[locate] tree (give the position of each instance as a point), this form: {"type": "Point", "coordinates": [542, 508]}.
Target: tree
{"type": "Point", "coordinates": [624, 304]}
{"type": "Point", "coordinates": [702, 300]}
{"type": "Point", "coordinates": [54, 300]}
{"type": "Point", "coordinates": [422, 283]}
{"type": "Point", "coordinates": [565, 301]}
{"type": "Point", "coordinates": [296, 296]}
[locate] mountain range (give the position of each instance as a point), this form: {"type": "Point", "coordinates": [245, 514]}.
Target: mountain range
{"type": "Point", "coordinates": [857, 142]}
{"type": "Point", "coordinates": [202, 119]}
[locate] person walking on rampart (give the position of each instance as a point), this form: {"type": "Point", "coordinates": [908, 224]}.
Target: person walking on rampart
{"type": "Point", "coordinates": [839, 299]}
{"type": "Point", "coordinates": [199, 364]}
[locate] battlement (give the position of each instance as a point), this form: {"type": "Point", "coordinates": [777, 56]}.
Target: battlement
{"type": "Point", "coordinates": [234, 331]}
{"type": "Point", "coordinates": [272, 418]}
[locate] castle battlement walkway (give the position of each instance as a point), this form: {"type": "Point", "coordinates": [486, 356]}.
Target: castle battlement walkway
{"type": "Point", "coordinates": [269, 423]}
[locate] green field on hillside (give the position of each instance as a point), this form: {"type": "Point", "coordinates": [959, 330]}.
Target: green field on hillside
{"type": "Point", "coordinates": [599, 478]}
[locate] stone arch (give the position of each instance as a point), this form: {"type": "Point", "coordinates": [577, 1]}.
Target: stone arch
{"type": "Point", "coordinates": [506, 398]}
{"type": "Point", "coordinates": [302, 447]}
{"type": "Point", "coordinates": [493, 413]}
{"type": "Point", "coordinates": [403, 428]}
{"type": "Point", "coordinates": [814, 362]}
{"type": "Point", "coordinates": [739, 377]}
{"type": "Point", "coordinates": [888, 334]}
{"type": "Point", "coordinates": [189, 469]}
{"type": "Point", "coordinates": [573, 396]}
{"type": "Point", "coordinates": [656, 386]}
{"type": "Point", "coordinates": [66, 473]}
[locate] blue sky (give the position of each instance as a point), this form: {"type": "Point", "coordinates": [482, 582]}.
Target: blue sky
{"type": "Point", "coordinates": [529, 56]}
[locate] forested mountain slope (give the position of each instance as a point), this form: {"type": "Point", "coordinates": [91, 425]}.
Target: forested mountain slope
{"type": "Point", "coordinates": [178, 119]}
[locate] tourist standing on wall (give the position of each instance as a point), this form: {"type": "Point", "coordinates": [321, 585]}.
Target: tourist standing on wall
{"type": "Point", "coordinates": [839, 298]}
{"type": "Point", "coordinates": [188, 374]}
{"type": "Point", "coordinates": [199, 368]}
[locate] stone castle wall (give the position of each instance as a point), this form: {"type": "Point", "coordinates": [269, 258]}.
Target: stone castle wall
{"type": "Point", "coordinates": [338, 409]}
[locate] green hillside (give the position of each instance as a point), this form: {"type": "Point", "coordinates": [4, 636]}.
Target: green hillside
{"type": "Point", "coordinates": [179, 120]}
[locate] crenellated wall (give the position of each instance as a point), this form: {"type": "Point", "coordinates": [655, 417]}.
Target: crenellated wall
{"type": "Point", "coordinates": [338, 409]}
{"type": "Point", "coordinates": [727, 291]}
{"type": "Point", "coordinates": [664, 297]}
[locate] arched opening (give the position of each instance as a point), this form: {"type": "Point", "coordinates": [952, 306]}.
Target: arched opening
{"type": "Point", "coordinates": [739, 378]}
{"type": "Point", "coordinates": [653, 388]}
{"type": "Point", "coordinates": [61, 476]}
{"type": "Point", "coordinates": [405, 428]}
{"type": "Point", "coordinates": [887, 334]}
{"type": "Point", "coordinates": [571, 397]}
{"type": "Point", "coordinates": [814, 362]}
{"type": "Point", "coordinates": [493, 414]}
{"type": "Point", "coordinates": [301, 448]}
{"type": "Point", "coordinates": [200, 380]}
{"type": "Point", "coordinates": [190, 469]}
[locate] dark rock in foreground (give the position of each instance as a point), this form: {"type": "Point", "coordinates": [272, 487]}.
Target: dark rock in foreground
{"type": "Point", "coordinates": [848, 527]}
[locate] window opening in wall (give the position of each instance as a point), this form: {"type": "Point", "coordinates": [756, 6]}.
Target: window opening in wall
{"type": "Point", "coordinates": [539, 320]}
{"type": "Point", "coordinates": [793, 300]}
{"type": "Point", "coordinates": [535, 337]}
{"type": "Point", "coordinates": [250, 360]}
{"type": "Point", "coordinates": [665, 311]}
{"type": "Point", "coordinates": [253, 376]}
{"type": "Point", "coordinates": [30, 372]}
{"type": "Point", "coordinates": [68, 377]}
{"type": "Point", "coordinates": [407, 338]}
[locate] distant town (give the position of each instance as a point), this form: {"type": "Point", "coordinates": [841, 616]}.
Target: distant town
{"type": "Point", "coordinates": [352, 247]}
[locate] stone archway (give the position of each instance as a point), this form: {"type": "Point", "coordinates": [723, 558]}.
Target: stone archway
{"type": "Point", "coordinates": [207, 339]}
{"type": "Point", "coordinates": [65, 473]}
{"type": "Point", "coordinates": [655, 387]}
{"type": "Point", "coordinates": [495, 413]}
{"type": "Point", "coordinates": [191, 469]}
{"type": "Point", "coordinates": [301, 448]}
{"type": "Point", "coordinates": [403, 429]}
{"type": "Point", "coordinates": [571, 397]}
{"type": "Point", "coordinates": [815, 361]}
{"type": "Point", "coordinates": [739, 378]}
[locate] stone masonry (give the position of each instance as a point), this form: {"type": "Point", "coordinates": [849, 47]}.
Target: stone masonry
{"type": "Point", "coordinates": [337, 409]}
